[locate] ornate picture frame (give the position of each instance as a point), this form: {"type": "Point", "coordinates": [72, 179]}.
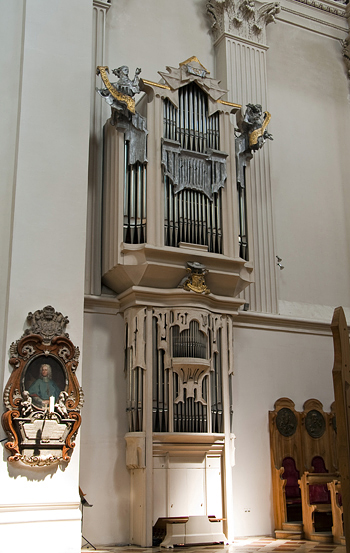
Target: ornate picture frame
{"type": "Point", "coordinates": [42, 397]}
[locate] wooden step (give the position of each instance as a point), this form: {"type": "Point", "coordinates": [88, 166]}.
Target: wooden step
{"type": "Point", "coordinates": [297, 526]}
{"type": "Point", "coordinates": [288, 535]}
{"type": "Point", "coordinates": [323, 537]}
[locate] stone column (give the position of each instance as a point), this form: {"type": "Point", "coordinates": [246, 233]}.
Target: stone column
{"type": "Point", "coordinates": [239, 29]}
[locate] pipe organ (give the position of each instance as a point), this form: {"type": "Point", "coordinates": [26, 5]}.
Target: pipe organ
{"type": "Point", "coordinates": [175, 252]}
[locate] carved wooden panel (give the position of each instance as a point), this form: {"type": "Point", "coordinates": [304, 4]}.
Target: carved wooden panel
{"type": "Point", "coordinates": [341, 384]}
{"type": "Point", "coordinates": [308, 438]}
{"type": "Point", "coordinates": [337, 511]}
{"type": "Point", "coordinates": [285, 433]}
{"type": "Point", "coordinates": [310, 508]}
{"type": "Point", "coordinates": [317, 435]}
{"type": "Point", "coordinates": [285, 442]}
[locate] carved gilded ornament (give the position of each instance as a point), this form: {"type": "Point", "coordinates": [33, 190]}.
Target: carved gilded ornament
{"type": "Point", "coordinates": [42, 397]}
{"type": "Point", "coordinates": [195, 280]}
{"type": "Point", "coordinates": [252, 136]}
{"type": "Point", "coordinates": [260, 132]}
{"type": "Point", "coordinates": [189, 71]}
{"type": "Point", "coordinates": [112, 89]}
{"type": "Point", "coordinates": [119, 96]}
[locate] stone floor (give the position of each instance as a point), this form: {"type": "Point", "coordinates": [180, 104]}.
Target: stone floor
{"type": "Point", "coordinates": [248, 545]}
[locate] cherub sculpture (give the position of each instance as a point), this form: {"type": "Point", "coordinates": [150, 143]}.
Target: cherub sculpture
{"type": "Point", "coordinates": [26, 404]}
{"type": "Point", "coordinates": [60, 406]}
{"type": "Point", "coordinates": [124, 86]}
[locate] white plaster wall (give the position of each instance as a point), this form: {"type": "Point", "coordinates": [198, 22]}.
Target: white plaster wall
{"type": "Point", "coordinates": [270, 365]}
{"type": "Point", "coordinates": [49, 181]}
{"type": "Point", "coordinates": [11, 29]}
{"type": "Point", "coordinates": [155, 33]}
{"type": "Point", "coordinates": [310, 165]}
{"type": "Point", "coordinates": [104, 477]}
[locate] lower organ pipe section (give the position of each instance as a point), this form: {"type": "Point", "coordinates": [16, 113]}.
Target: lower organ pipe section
{"type": "Point", "coordinates": [160, 381]}
{"type": "Point", "coordinates": [183, 351]}
{"type": "Point", "coordinates": [216, 391]}
{"type": "Point", "coordinates": [190, 415]}
{"type": "Point", "coordinates": [135, 400]}
{"type": "Point", "coordinates": [187, 373]}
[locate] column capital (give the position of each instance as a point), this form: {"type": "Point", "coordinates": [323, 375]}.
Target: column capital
{"type": "Point", "coordinates": [245, 19]}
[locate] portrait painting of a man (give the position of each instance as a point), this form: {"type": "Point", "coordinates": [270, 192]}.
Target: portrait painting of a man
{"type": "Point", "coordinates": [44, 379]}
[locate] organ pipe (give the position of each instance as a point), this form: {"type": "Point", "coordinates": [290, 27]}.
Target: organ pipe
{"type": "Point", "coordinates": [134, 200]}
{"type": "Point", "coordinates": [189, 215]}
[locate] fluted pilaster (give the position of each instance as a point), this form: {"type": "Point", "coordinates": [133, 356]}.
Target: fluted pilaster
{"type": "Point", "coordinates": [241, 65]}
{"type": "Point", "coordinates": [98, 115]}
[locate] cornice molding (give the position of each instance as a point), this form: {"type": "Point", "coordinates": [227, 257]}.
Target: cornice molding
{"type": "Point", "coordinates": [102, 305]}
{"type": "Point", "coordinates": [323, 17]}
{"type": "Point", "coordinates": [281, 323]}
{"type": "Point", "coordinates": [334, 8]}
{"type": "Point", "coordinates": [177, 297]}
{"type": "Point", "coordinates": [108, 305]}
{"type": "Point", "coordinates": [310, 18]}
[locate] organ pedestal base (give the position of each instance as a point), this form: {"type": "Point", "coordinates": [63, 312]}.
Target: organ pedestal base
{"type": "Point", "coordinates": [191, 530]}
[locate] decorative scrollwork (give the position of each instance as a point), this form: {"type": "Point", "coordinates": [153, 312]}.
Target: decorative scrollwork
{"type": "Point", "coordinates": [13, 349]}
{"type": "Point", "coordinates": [64, 353]}
{"type": "Point", "coordinates": [39, 460]}
{"type": "Point", "coordinates": [28, 350]}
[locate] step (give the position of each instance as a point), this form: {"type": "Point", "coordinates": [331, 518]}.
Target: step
{"type": "Point", "coordinates": [323, 537]}
{"type": "Point", "coordinates": [289, 534]}
{"type": "Point", "coordinates": [297, 526]}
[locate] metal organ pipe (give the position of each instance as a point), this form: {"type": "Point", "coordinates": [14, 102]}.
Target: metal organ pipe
{"type": "Point", "coordinates": [189, 217]}
{"type": "Point", "coordinates": [134, 200]}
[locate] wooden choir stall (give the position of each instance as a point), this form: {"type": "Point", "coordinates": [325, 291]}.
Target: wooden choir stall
{"type": "Point", "coordinates": [305, 475]}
